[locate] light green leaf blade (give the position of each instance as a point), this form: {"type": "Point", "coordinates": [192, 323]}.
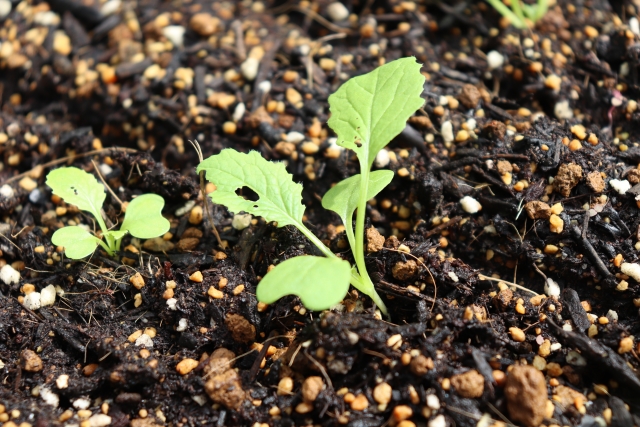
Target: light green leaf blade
{"type": "Point", "coordinates": [319, 282]}
{"type": "Point", "coordinates": [368, 111]}
{"type": "Point", "coordinates": [77, 242]}
{"type": "Point", "coordinates": [280, 199]}
{"type": "Point", "coordinates": [79, 188]}
{"type": "Point", "coordinates": [143, 218]}
{"type": "Point", "coordinates": [343, 197]}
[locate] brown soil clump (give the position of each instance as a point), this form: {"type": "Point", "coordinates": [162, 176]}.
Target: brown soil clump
{"type": "Point", "coordinates": [568, 177]}
{"type": "Point", "coordinates": [526, 393]}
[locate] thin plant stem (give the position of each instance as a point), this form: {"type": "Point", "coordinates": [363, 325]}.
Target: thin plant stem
{"type": "Point", "coordinates": [517, 9]}
{"type": "Point", "coordinates": [105, 247]}
{"type": "Point", "coordinates": [369, 289]}
{"type": "Point", "coordinates": [113, 244]}
{"type": "Point", "coordinates": [106, 235]}
{"type": "Point", "coordinates": [317, 242]}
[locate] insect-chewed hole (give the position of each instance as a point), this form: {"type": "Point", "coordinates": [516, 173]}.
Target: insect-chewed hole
{"type": "Point", "coordinates": [247, 193]}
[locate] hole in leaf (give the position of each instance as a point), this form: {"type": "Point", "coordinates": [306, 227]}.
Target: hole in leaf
{"type": "Point", "coordinates": [247, 193]}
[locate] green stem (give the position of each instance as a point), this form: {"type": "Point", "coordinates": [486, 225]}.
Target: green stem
{"type": "Point", "coordinates": [517, 9]}
{"type": "Point", "coordinates": [361, 282]}
{"type": "Point", "coordinates": [356, 282]}
{"type": "Point", "coordinates": [360, 217]}
{"type": "Point", "coordinates": [323, 248]}
{"type": "Point", "coordinates": [110, 246]}
{"type": "Point", "coordinates": [358, 254]}
{"type": "Point", "coordinates": [105, 247]}
{"type": "Point", "coordinates": [348, 228]}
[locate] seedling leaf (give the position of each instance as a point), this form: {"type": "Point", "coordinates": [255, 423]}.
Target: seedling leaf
{"type": "Point", "coordinates": [77, 242]}
{"type": "Point", "coordinates": [320, 282]}
{"type": "Point", "coordinates": [143, 218]}
{"type": "Point", "coordinates": [343, 197]}
{"type": "Point", "coordinates": [368, 111]}
{"type": "Point", "coordinates": [79, 188]}
{"type": "Point", "coordinates": [280, 199]}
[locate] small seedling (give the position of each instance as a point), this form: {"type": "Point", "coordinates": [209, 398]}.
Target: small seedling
{"type": "Point", "coordinates": [77, 187]}
{"type": "Point", "coordinates": [520, 13]}
{"type": "Point", "coordinates": [367, 112]}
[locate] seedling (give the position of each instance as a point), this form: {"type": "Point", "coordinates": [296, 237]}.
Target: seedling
{"type": "Point", "coordinates": [521, 13]}
{"type": "Point", "coordinates": [77, 187]}
{"type": "Point", "coordinates": [367, 112]}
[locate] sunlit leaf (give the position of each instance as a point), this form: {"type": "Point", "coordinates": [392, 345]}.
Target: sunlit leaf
{"type": "Point", "coordinates": [368, 111]}
{"type": "Point", "coordinates": [280, 199]}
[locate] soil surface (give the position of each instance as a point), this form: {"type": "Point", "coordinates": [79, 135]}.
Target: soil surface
{"type": "Point", "coordinates": [510, 233]}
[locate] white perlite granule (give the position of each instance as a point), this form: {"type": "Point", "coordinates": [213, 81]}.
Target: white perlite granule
{"type": "Point", "coordinates": [32, 301]}
{"type": "Point", "coordinates": [446, 130]}
{"type": "Point", "coordinates": [621, 186]}
{"type": "Point", "coordinates": [551, 288]}
{"type": "Point", "coordinates": [470, 205]}
{"type": "Point", "coordinates": [495, 60]}
{"type": "Point", "coordinates": [631, 270]}
{"type": "Point", "coordinates": [49, 397]}
{"type": "Point", "coordinates": [48, 296]}
{"type": "Point", "coordinates": [182, 325]}
{"type": "Point", "coordinates": [144, 340]}
{"type": "Point", "coordinates": [382, 158]}
{"type": "Point", "coordinates": [438, 421]}
{"type": "Point", "coordinates": [9, 275]}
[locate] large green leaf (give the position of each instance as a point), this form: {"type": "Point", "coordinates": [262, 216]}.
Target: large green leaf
{"type": "Point", "coordinates": [368, 111]}
{"type": "Point", "coordinates": [77, 242]}
{"type": "Point", "coordinates": [143, 218]}
{"type": "Point", "coordinates": [343, 197]}
{"type": "Point", "coordinates": [319, 282]}
{"type": "Point", "coordinates": [280, 199]}
{"type": "Point", "coordinates": [79, 188]}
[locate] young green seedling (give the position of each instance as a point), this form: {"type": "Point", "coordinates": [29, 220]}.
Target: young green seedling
{"type": "Point", "coordinates": [320, 282]}
{"type": "Point", "coordinates": [77, 187]}
{"type": "Point", "coordinates": [367, 112]}
{"type": "Point", "coordinates": [520, 12]}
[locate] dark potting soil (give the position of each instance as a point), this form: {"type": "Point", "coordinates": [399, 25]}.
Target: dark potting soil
{"type": "Point", "coordinates": [539, 127]}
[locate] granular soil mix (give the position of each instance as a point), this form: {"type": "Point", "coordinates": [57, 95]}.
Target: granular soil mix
{"type": "Point", "coordinates": [506, 246]}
